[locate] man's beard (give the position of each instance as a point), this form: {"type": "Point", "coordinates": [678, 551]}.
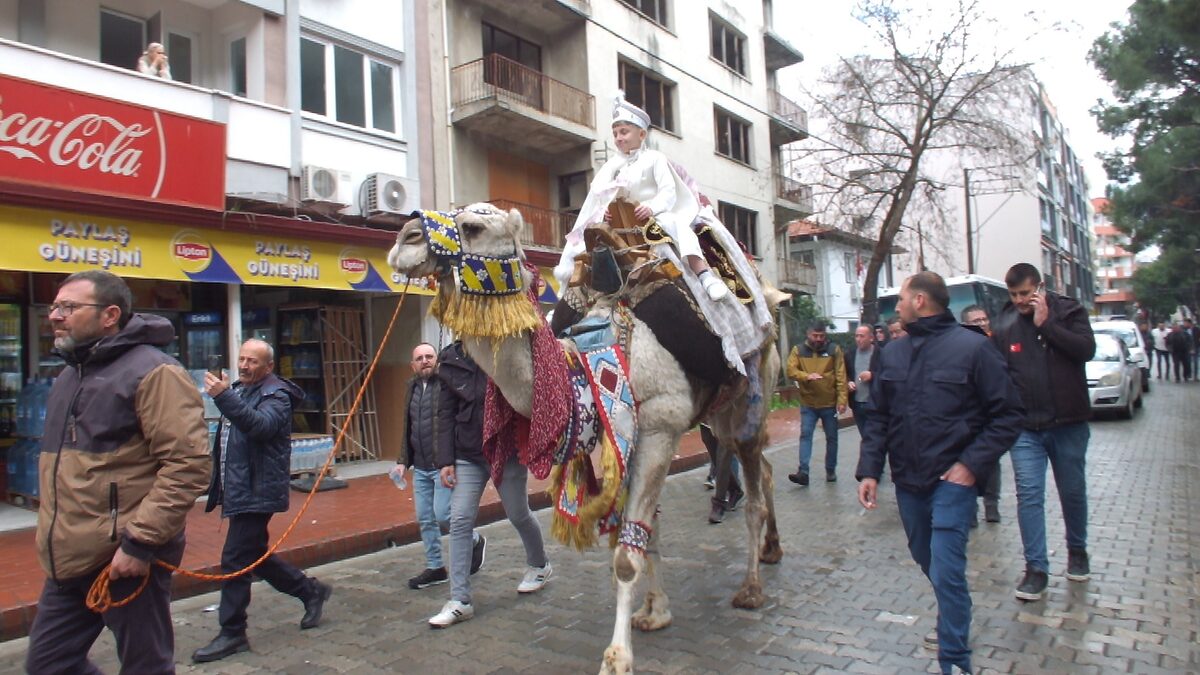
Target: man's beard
{"type": "Point", "coordinates": [65, 344]}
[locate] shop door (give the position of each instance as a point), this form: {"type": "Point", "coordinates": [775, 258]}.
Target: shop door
{"type": "Point", "coordinates": [345, 361]}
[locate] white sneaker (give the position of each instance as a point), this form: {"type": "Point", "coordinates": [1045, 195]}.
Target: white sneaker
{"type": "Point", "coordinates": [535, 579]}
{"type": "Point", "coordinates": [452, 612]}
{"type": "Point", "coordinates": [714, 286]}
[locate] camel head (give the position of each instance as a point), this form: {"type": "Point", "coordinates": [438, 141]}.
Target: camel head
{"type": "Point", "coordinates": [475, 252]}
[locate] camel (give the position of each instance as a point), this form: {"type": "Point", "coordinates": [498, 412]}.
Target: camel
{"type": "Point", "coordinates": [669, 401]}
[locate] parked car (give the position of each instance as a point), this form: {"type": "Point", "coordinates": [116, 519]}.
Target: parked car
{"type": "Point", "coordinates": [1133, 339]}
{"type": "Point", "coordinates": [1114, 378]}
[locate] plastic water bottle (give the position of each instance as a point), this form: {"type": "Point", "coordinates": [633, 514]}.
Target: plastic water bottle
{"type": "Point", "coordinates": [397, 476]}
{"type": "Point", "coordinates": [33, 454]}
{"type": "Point", "coordinates": [16, 466]}
{"type": "Point", "coordinates": [40, 396]}
{"type": "Point", "coordinates": [23, 408]}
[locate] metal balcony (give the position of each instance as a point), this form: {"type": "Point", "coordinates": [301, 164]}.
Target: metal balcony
{"type": "Point", "coordinates": [512, 104]}
{"type": "Point", "coordinates": [794, 274]}
{"type": "Point", "coordinates": [789, 122]}
{"type": "Point", "coordinates": [793, 199]}
{"type": "Point", "coordinates": [544, 228]}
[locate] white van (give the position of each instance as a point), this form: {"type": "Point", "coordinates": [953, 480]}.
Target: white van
{"type": "Point", "coordinates": [1132, 337]}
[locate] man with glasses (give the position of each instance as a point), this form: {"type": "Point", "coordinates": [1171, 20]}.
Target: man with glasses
{"type": "Point", "coordinates": [124, 458]}
{"type": "Point", "coordinates": [978, 317]}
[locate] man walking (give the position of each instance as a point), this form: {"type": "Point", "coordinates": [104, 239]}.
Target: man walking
{"type": "Point", "coordinates": [944, 410]}
{"type": "Point", "coordinates": [250, 481]}
{"type": "Point", "coordinates": [724, 467]}
{"type": "Point", "coordinates": [1189, 327]}
{"type": "Point", "coordinates": [861, 366]}
{"type": "Point", "coordinates": [821, 375]}
{"type": "Point", "coordinates": [977, 317]}
{"type": "Point", "coordinates": [1159, 337]}
{"type": "Point", "coordinates": [123, 461]}
{"type": "Point", "coordinates": [1180, 343]}
{"type": "Point", "coordinates": [1047, 340]}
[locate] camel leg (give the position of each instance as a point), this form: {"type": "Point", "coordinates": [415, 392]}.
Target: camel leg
{"type": "Point", "coordinates": [750, 595]}
{"type": "Point", "coordinates": [772, 552]}
{"type": "Point", "coordinates": [648, 472]}
{"type": "Point", "coordinates": [655, 613]}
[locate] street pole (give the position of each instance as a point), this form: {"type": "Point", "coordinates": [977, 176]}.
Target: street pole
{"type": "Point", "coordinates": [970, 243]}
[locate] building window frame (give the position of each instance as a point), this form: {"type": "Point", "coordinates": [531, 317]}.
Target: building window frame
{"type": "Point", "coordinates": [849, 263]}
{"type": "Point", "coordinates": [727, 45]}
{"type": "Point", "coordinates": [742, 223]}
{"type": "Point", "coordinates": [379, 113]}
{"type": "Point", "coordinates": [653, 10]}
{"type": "Point", "coordinates": [731, 135]}
{"type": "Point", "coordinates": [649, 91]}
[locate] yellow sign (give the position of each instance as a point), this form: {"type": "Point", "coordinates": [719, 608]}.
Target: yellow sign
{"type": "Point", "coordinates": [39, 240]}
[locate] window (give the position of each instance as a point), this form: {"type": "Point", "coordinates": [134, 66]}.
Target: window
{"type": "Point", "coordinates": [728, 46]}
{"type": "Point", "coordinates": [655, 10]}
{"type": "Point", "coordinates": [805, 258]}
{"type": "Point", "coordinates": [650, 93]}
{"type": "Point", "coordinates": [511, 72]}
{"type": "Point", "coordinates": [850, 268]}
{"type": "Point", "coordinates": [237, 67]}
{"type": "Point", "coordinates": [733, 136]}
{"type": "Point", "coordinates": [742, 223]}
{"type": "Point", "coordinates": [524, 52]}
{"type": "Point", "coordinates": [179, 50]}
{"type": "Point", "coordinates": [122, 39]}
{"type": "Point", "coordinates": [348, 86]}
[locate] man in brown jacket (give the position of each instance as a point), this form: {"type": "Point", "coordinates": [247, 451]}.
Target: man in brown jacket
{"type": "Point", "coordinates": [123, 459]}
{"type": "Point", "coordinates": [821, 376]}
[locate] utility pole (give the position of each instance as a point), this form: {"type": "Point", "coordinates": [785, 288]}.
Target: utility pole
{"type": "Point", "coordinates": [967, 211]}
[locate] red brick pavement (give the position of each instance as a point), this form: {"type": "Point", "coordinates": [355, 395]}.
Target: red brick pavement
{"type": "Point", "coordinates": [368, 516]}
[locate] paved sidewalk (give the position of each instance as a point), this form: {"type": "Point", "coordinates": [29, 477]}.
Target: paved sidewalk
{"type": "Point", "coordinates": [846, 597]}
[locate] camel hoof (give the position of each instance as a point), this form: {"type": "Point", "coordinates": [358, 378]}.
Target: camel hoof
{"type": "Point", "coordinates": [650, 621]}
{"type": "Point", "coordinates": [617, 661]}
{"type": "Point", "coordinates": [771, 553]}
{"type": "Point", "coordinates": [750, 596]}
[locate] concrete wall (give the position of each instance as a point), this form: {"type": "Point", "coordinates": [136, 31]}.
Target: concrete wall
{"type": "Point", "coordinates": [9, 17]}
{"type": "Point", "coordinates": [380, 22]}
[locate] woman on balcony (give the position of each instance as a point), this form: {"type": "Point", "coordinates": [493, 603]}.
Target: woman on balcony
{"type": "Point", "coordinates": [153, 61]}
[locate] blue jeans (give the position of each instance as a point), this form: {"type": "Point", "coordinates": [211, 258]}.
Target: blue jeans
{"type": "Point", "coordinates": [808, 425]}
{"type": "Point", "coordinates": [1065, 448]}
{"type": "Point", "coordinates": [936, 523]}
{"type": "Point", "coordinates": [431, 500]}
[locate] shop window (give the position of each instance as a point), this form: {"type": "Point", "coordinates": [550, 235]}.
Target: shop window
{"type": "Point", "coordinates": [727, 45]}
{"type": "Point", "coordinates": [237, 67]}
{"type": "Point", "coordinates": [655, 10]}
{"type": "Point", "coordinates": [650, 93]}
{"type": "Point", "coordinates": [733, 136]}
{"type": "Point", "coordinates": [347, 85]}
{"type": "Point", "coordinates": [743, 223]}
{"type": "Point", "coordinates": [122, 39]}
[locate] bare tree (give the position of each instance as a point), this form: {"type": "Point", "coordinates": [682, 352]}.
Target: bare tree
{"type": "Point", "coordinates": [938, 88]}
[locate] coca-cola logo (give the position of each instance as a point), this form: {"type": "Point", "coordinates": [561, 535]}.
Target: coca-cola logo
{"type": "Point", "coordinates": [87, 141]}
{"type": "Point", "coordinates": [193, 251]}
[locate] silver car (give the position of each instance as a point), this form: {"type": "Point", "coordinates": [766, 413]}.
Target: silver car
{"type": "Point", "coordinates": [1114, 378]}
{"type": "Point", "coordinates": [1132, 337]}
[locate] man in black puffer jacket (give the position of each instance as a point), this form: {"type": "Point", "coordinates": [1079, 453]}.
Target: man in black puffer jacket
{"type": "Point", "coordinates": [251, 471]}
{"type": "Point", "coordinates": [944, 410]}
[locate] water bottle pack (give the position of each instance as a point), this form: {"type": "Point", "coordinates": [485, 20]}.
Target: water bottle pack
{"type": "Point", "coordinates": [309, 454]}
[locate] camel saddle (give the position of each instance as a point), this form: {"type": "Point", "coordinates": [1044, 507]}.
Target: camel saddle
{"type": "Point", "coordinates": [620, 253]}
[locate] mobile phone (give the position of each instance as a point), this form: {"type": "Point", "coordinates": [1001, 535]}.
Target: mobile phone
{"type": "Point", "coordinates": [214, 364]}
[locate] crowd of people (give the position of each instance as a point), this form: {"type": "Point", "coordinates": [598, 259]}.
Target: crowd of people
{"type": "Point", "coordinates": [1176, 345]}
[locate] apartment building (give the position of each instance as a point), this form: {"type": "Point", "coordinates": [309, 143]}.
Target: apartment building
{"type": "Point", "coordinates": [833, 262]}
{"type": "Point", "coordinates": [1115, 264]}
{"type": "Point", "coordinates": [528, 98]}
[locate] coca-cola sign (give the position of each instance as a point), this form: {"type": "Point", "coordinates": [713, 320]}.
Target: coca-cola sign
{"type": "Point", "coordinates": [78, 141]}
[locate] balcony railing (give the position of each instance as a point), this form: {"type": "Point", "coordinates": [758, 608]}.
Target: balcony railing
{"type": "Point", "coordinates": [794, 191]}
{"type": "Point", "coordinates": [796, 273]}
{"type": "Point", "coordinates": [787, 109]}
{"type": "Point", "coordinates": [544, 228]}
{"type": "Point", "coordinates": [495, 76]}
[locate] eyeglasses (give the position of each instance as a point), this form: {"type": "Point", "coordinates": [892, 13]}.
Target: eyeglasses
{"type": "Point", "coordinates": [68, 308]}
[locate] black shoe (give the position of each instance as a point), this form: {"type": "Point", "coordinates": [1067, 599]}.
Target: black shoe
{"type": "Point", "coordinates": [1078, 568]}
{"type": "Point", "coordinates": [717, 515]}
{"type": "Point", "coordinates": [736, 495]}
{"type": "Point", "coordinates": [974, 521]}
{"type": "Point", "coordinates": [830, 476]}
{"type": "Point", "coordinates": [799, 478]}
{"type": "Point", "coordinates": [991, 512]}
{"type": "Point", "coordinates": [429, 577]}
{"type": "Point", "coordinates": [223, 645]}
{"type": "Point", "coordinates": [478, 554]}
{"type": "Point", "coordinates": [315, 604]}
{"type": "Point", "coordinates": [1033, 586]}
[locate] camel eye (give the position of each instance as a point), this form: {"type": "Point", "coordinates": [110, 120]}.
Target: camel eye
{"type": "Point", "coordinates": [413, 236]}
{"type": "Point", "coordinates": [472, 230]}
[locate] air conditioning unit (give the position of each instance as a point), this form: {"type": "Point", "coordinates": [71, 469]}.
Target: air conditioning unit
{"type": "Point", "coordinates": [319, 184]}
{"type": "Point", "coordinates": [386, 193]}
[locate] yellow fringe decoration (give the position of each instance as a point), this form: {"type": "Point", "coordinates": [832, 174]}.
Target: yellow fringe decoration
{"type": "Point", "coordinates": [584, 534]}
{"type": "Point", "coordinates": [484, 316]}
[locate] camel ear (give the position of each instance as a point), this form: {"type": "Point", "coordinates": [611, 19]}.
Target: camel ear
{"type": "Point", "coordinates": [514, 223]}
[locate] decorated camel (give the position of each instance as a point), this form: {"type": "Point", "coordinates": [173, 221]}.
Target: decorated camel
{"type": "Point", "coordinates": [481, 242]}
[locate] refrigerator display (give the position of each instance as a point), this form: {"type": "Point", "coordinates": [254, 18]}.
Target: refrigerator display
{"type": "Point", "coordinates": [10, 368]}
{"type": "Point", "coordinates": [203, 337]}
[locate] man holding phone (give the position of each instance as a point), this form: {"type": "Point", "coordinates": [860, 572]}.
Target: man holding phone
{"type": "Point", "coordinates": [1047, 340]}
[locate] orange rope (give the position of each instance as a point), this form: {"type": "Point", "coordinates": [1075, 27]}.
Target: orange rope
{"type": "Point", "coordinates": [99, 597]}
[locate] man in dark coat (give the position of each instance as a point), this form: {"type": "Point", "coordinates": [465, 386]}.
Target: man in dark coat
{"type": "Point", "coordinates": [1179, 342]}
{"type": "Point", "coordinates": [944, 408]}
{"type": "Point", "coordinates": [1047, 340]}
{"type": "Point", "coordinates": [862, 363]}
{"type": "Point", "coordinates": [251, 471]}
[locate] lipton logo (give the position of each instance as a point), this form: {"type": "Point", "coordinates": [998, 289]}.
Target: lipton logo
{"type": "Point", "coordinates": [191, 252]}
{"type": "Point", "coordinates": [353, 265]}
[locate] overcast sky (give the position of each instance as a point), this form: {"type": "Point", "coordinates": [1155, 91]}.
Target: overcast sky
{"type": "Point", "coordinates": [824, 30]}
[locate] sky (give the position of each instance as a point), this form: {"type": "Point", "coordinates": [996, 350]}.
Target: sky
{"type": "Point", "coordinates": [825, 30]}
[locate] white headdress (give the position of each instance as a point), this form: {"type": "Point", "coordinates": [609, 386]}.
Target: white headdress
{"type": "Point", "coordinates": [624, 111]}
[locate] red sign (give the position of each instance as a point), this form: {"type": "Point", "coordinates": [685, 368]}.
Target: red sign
{"type": "Point", "coordinates": [66, 139]}
{"type": "Point", "coordinates": [354, 265]}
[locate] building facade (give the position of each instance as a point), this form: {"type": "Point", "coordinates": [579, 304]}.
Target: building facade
{"type": "Point", "coordinates": [1115, 264]}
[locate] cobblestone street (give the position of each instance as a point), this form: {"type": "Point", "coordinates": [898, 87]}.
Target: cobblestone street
{"type": "Point", "coordinates": [846, 598]}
